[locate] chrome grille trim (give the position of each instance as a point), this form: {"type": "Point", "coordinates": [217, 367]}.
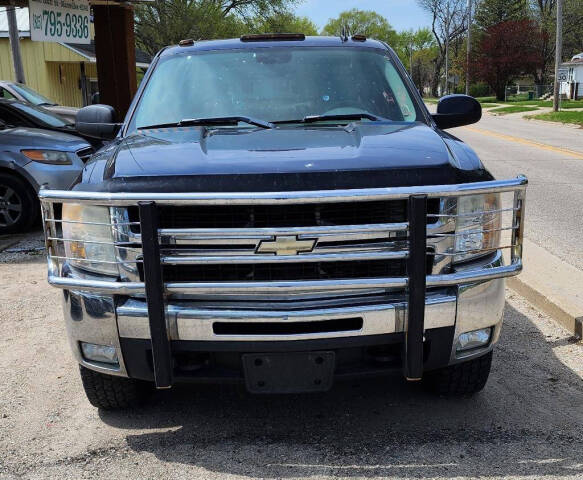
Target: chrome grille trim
{"type": "Point", "coordinates": [128, 249]}
{"type": "Point", "coordinates": [131, 288]}
{"type": "Point", "coordinates": [284, 198]}
{"type": "Point", "coordinates": [241, 235]}
{"type": "Point", "coordinates": [305, 257]}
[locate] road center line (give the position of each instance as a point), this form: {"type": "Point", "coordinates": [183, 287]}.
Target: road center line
{"type": "Point", "coordinates": [523, 141]}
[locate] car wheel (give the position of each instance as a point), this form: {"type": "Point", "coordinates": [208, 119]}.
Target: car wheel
{"type": "Point", "coordinates": [19, 206]}
{"type": "Point", "coordinates": [109, 392]}
{"type": "Point", "coordinates": [462, 379]}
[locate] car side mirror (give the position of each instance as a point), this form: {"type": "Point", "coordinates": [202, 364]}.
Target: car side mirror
{"type": "Point", "coordinates": [97, 121]}
{"type": "Point", "coordinates": [457, 111]}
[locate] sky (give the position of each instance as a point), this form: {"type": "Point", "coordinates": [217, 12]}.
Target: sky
{"type": "Point", "coordinates": [401, 14]}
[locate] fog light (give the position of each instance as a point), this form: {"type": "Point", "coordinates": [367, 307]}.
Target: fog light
{"type": "Point", "coordinates": [99, 353]}
{"type": "Point", "coordinates": [476, 339]}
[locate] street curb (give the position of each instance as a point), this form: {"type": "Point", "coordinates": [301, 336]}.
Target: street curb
{"type": "Point", "coordinates": [553, 309]}
{"type": "Point", "coordinates": [7, 241]}
{"type": "Point", "coordinates": [551, 285]}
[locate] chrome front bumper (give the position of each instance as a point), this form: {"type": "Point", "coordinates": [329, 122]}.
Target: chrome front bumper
{"type": "Point", "coordinates": [146, 306]}
{"type": "Point", "coordinates": [102, 319]}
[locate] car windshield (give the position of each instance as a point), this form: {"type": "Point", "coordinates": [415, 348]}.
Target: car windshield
{"type": "Point", "coordinates": [31, 96]}
{"type": "Point", "coordinates": [276, 85]}
{"type": "Point", "coordinates": [41, 115]}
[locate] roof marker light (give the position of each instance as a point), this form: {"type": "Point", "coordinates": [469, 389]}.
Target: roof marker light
{"type": "Point", "coordinates": [267, 37]}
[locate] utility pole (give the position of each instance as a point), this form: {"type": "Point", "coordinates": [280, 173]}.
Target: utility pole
{"type": "Point", "coordinates": [447, 20]}
{"type": "Point", "coordinates": [411, 57]}
{"type": "Point", "coordinates": [15, 44]}
{"type": "Point", "coordinates": [469, 47]}
{"type": "Point", "coordinates": [558, 53]}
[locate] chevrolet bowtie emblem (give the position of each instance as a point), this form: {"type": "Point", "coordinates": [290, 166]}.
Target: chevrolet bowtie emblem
{"type": "Point", "coordinates": [286, 245]}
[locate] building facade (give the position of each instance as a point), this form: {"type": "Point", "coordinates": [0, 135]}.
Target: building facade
{"type": "Point", "coordinates": [65, 73]}
{"type": "Point", "coordinates": [573, 87]}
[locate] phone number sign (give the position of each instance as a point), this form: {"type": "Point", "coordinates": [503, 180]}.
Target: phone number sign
{"type": "Point", "coordinates": [59, 21]}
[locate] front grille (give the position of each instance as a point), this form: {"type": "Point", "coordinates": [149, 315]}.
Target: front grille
{"type": "Point", "coordinates": [251, 217]}
{"type": "Point", "coordinates": [300, 215]}
{"type": "Point", "coordinates": [85, 153]}
{"type": "Point", "coordinates": [287, 271]}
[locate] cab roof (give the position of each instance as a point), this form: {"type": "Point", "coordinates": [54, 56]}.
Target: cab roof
{"type": "Point", "coordinates": [238, 43]}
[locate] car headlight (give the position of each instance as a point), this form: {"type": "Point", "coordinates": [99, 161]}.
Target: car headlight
{"type": "Point", "coordinates": [88, 238]}
{"type": "Point", "coordinates": [477, 226]}
{"type": "Point", "coordinates": [51, 157]}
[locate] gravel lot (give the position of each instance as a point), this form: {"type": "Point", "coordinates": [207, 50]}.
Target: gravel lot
{"type": "Point", "coordinates": [528, 423]}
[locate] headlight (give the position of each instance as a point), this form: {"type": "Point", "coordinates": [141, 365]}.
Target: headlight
{"type": "Point", "coordinates": [52, 157]}
{"type": "Point", "coordinates": [89, 238]}
{"type": "Point", "coordinates": [477, 231]}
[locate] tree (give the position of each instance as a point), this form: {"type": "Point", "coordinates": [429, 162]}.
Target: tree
{"type": "Point", "coordinates": [544, 12]}
{"type": "Point", "coordinates": [507, 50]}
{"type": "Point", "coordinates": [492, 12]}
{"type": "Point", "coordinates": [423, 67]}
{"type": "Point", "coordinates": [409, 41]}
{"type": "Point", "coordinates": [364, 22]}
{"type": "Point", "coordinates": [417, 50]}
{"type": "Point", "coordinates": [572, 28]}
{"type": "Point", "coordinates": [283, 23]}
{"type": "Point", "coordinates": [448, 24]}
{"type": "Point", "coordinates": [166, 22]}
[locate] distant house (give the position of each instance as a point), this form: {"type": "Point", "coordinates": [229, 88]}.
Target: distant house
{"type": "Point", "coordinates": [63, 72]}
{"type": "Point", "coordinates": [573, 87]}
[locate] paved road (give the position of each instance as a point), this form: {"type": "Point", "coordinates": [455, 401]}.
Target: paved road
{"type": "Point", "coordinates": [508, 146]}
{"type": "Point", "coordinates": [526, 424]}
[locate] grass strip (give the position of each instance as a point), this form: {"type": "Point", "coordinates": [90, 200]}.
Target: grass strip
{"type": "Point", "coordinates": [575, 118]}
{"type": "Point", "coordinates": [512, 109]}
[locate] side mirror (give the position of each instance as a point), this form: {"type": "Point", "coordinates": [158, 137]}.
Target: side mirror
{"type": "Point", "coordinates": [97, 121]}
{"type": "Point", "coordinates": [457, 111]}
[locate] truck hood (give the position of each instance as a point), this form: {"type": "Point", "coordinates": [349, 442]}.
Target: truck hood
{"type": "Point", "coordinates": [286, 158]}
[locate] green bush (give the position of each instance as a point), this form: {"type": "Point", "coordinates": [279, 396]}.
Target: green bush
{"type": "Point", "coordinates": [479, 90]}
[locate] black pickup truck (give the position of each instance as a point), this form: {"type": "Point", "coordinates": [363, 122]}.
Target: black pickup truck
{"type": "Point", "coordinates": [281, 211]}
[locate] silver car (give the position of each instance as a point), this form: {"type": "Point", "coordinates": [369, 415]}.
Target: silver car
{"type": "Point", "coordinates": [19, 91]}
{"type": "Point", "coordinates": [31, 158]}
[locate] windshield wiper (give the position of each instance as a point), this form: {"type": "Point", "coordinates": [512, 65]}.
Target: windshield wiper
{"type": "Point", "coordinates": [346, 116]}
{"type": "Point", "coordinates": [189, 122]}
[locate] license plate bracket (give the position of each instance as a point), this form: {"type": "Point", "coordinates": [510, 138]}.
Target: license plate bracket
{"type": "Point", "coordinates": [294, 372]}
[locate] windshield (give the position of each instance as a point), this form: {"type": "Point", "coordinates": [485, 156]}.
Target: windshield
{"type": "Point", "coordinates": [43, 116]}
{"type": "Point", "coordinates": [275, 84]}
{"type": "Point", "coordinates": [31, 96]}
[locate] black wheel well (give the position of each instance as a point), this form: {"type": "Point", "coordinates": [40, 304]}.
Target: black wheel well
{"type": "Point", "coordinates": [29, 186]}
{"type": "Point", "coordinates": [33, 214]}
{"type": "Point", "coordinates": [16, 174]}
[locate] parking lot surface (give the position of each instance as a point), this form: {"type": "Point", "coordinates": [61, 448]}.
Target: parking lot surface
{"type": "Point", "coordinates": [527, 423]}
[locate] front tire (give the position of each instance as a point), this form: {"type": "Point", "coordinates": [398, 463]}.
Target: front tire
{"type": "Point", "coordinates": [19, 206]}
{"type": "Point", "coordinates": [461, 379]}
{"type": "Point", "coordinates": [109, 392]}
